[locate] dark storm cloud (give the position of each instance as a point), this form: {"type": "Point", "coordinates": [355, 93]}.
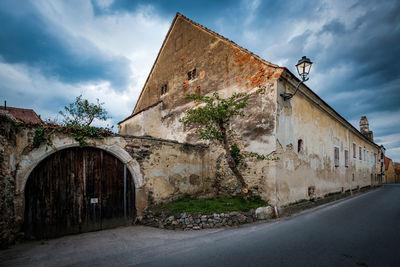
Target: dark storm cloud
{"type": "Point", "coordinates": [196, 10]}
{"type": "Point", "coordinates": [25, 37]}
{"type": "Point", "coordinates": [368, 48]}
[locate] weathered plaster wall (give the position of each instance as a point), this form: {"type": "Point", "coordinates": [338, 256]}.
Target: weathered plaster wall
{"type": "Point", "coordinates": [220, 66]}
{"type": "Point", "coordinates": [259, 174]}
{"type": "Point", "coordinates": [161, 169]}
{"type": "Point", "coordinates": [170, 169]}
{"type": "Point", "coordinates": [312, 172]}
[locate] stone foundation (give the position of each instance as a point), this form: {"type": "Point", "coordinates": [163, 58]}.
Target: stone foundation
{"type": "Point", "coordinates": [189, 221]}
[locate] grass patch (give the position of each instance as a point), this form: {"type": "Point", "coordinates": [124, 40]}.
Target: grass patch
{"type": "Point", "coordinates": [208, 206]}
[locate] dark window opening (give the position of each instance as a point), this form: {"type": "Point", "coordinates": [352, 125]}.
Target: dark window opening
{"type": "Point", "coordinates": [192, 74]}
{"type": "Point", "coordinates": [336, 156]}
{"type": "Point", "coordinates": [164, 89]}
{"type": "Point", "coordinates": [354, 151]}
{"type": "Point", "coordinates": [299, 145]}
{"type": "Point", "coordinates": [346, 158]}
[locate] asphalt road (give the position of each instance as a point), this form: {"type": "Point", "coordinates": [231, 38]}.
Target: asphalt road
{"type": "Point", "coordinates": [360, 231]}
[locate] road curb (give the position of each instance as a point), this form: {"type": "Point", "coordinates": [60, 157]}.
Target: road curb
{"type": "Point", "coordinates": [329, 199]}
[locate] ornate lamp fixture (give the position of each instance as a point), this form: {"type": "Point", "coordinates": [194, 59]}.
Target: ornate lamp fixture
{"type": "Point", "coordinates": [303, 67]}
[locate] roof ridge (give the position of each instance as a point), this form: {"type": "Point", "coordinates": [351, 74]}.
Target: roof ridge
{"type": "Point", "coordinates": [228, 40]}
{"type": "Point", "coordinates": [2, 107]}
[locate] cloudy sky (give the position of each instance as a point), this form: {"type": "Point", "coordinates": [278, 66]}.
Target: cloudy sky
{"type": "Point", "coordinates": [53, 51]}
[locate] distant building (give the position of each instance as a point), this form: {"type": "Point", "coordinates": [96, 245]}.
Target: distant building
{"type": "Point", "coordinates": [397, 171]}
{"type": "Point", "coordinates": [22, 114]}
{"type": "Point", "coordinates": [392, 171]}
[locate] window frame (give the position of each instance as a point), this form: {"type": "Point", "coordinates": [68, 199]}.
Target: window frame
{"type": "Point", "coordinates": [164, 88]}
{"type": "Point", "coordinates": [300, 145]}
{"type": "Point", "coordinates": [192, 74]}
{"type": "Point", "coordinates": [336, 156]}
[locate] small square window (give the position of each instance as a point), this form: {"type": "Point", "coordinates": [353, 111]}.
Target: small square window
{"type": "Point", "coordinates": [192, 74]}
{"type": "Point", "coordinates": [164, 89]}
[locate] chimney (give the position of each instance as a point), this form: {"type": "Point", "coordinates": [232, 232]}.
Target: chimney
{"type": "Point", "coordinates": [364, 128]}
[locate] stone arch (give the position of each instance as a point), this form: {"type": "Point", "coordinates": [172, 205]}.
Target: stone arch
{"type": "Point", "coordinates": [113, 145]}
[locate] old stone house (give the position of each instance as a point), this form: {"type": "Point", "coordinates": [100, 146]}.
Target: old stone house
{"type": "Point", "coordinates": [319, 151]}
{"type": "Point", "coordinates": [59, 187]}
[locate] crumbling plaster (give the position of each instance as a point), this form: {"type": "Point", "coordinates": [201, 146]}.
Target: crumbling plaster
{"type": "Point", "coordinates": [161, 169]}
{"type": "Point", "coordinates": [222, 67]}
{"type": "Point", "coordinates": [314, 166]}
{"type": "Point", "coordinates": [271, 126]}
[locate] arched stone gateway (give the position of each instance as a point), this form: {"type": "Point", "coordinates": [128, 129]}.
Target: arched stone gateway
{"type": "Point", "coordinates": [67, 189]}
{"type": "Point", "coordinates": [113, 145]}
{"type": "Point", "coordinates": [77, 190]}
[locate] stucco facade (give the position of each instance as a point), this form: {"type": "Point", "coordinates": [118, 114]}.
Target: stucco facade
{"type": "Point", "coordinates": [193, 59]}
{"type": "Point", "coordinates": [307, 134]}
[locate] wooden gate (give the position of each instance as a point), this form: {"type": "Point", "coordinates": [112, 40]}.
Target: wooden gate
{"type": "Point", "coordinates": [78, 190]}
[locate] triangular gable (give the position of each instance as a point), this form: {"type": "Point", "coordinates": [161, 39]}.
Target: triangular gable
{"type": "Point", "coordinates": [139, 106]}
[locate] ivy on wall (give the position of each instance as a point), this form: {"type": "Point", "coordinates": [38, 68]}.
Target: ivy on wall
{"type": "Point", "coordinates": [44, 132]}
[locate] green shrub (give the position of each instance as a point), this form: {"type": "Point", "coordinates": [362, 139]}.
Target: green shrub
{"type": "Point", "coordinates": [211, 205]}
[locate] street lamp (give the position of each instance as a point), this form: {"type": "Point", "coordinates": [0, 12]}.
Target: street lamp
{"type": "Point", "coordinates": [303, 67]}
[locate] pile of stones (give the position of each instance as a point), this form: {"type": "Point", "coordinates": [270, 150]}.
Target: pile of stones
{"type": "Point", "coordinates": [188, 221]}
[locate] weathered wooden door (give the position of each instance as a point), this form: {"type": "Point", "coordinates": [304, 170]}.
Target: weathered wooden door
{"type": "Point", "coordinates": [77, 190]}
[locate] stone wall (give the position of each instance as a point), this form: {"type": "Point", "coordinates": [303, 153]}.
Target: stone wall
{"type": "Point", "coordinates": [188, 221]}
{"type": "Point", "coordinates": [161, 169]}
{"type": "Point", "coordinates": [170, 169]}
{"type": "Point", "coordinates": [7, 184]}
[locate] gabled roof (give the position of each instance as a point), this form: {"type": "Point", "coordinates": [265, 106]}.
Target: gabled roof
{"type": "Point", "coordinates": [179, 15]}
{"type": "Point", "coordinates": [22, 114]}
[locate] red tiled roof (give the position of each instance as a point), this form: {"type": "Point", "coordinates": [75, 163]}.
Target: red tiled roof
{"type": "Point", "coordinates": [23, 114]}
{"type": "Point", "coordinates": [387, 160]}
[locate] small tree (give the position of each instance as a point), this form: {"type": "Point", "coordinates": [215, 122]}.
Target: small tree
{"type": "Point", "coordinates": [82, 113]}
{"type": "Point", "coordinates": [213, 120]}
